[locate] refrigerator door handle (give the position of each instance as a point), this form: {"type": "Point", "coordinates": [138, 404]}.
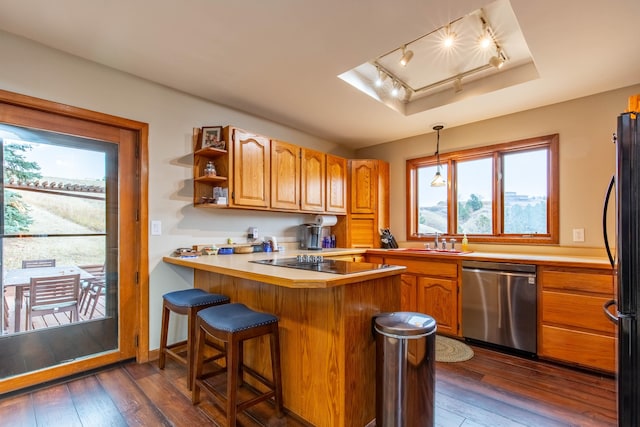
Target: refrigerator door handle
{"type": "Point", "coordinates": [605, 308]}
{"type": "Point", "coordinates": [604, 220]}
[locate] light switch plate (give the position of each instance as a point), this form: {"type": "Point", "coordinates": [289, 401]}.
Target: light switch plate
{"type": "Point", "coordinates": [578, 234]}
{"type": "Point", "coordinates": [156, 228]}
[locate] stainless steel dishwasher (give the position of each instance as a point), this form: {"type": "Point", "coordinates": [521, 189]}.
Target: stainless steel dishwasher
{"type": "Point", "coordinates": [499, 304]}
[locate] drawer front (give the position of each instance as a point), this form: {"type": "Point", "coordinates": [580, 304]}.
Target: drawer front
{"type": "Point", "coordinates": [578, 281]}
{"type": "Point", "coordinates": [581, 311]}
{"type": "Point", "coordinates": [582, 348]}
{"type": "Point", "coordinates": [428, 268]}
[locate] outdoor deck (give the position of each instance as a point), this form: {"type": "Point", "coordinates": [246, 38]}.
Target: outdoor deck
{"type": "Point", "coordinates": [49, 320]}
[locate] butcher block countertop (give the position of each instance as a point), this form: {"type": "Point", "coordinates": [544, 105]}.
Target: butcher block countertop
{"type": "Point", "coordinates": [238, 265]}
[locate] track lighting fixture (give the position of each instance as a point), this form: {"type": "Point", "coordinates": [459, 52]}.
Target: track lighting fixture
{"type": "Point", "coordinates": [497, 61]}
{"type": "Point", "coordinates": [457, 84]}
{"type": "Point", "coordinates": [438, 180]}
{"type": "Point", "coordinates": [396, 89]}
{"type": "Point", "coordinates": [382, 76]}
{"type": "Point", "coordinates": [406, 56]}
{"type": "Point", "coordinates": [449, 37]}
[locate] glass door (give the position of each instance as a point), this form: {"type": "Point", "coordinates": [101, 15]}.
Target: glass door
{"type": "Point", "coordinates": [59, 249]}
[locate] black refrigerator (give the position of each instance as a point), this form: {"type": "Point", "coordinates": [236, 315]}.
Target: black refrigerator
{"type": "Point", "coordinates": [627, 201]}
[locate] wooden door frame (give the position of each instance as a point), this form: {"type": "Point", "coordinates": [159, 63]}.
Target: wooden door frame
{"type": "Point", "coordinates": [140, 348]}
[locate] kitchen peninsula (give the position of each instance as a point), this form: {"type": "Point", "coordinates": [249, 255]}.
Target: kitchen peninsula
{"type": "Point", "coordinates": [327, 347]}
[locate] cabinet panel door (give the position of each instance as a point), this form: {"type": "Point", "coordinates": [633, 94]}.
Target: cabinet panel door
{"type": "Point", "coordinates": [408, 292]}
{"type": "Point", "coordinates": [251, 159]}
{"type": "Point", "coordinates": [285, 175]}
{"type": "Point", "coordinates": [438, 298]}
{"type": "Point", "coordinates": [313, 181]}
{"type": "Point", "coordinates": [364, 183]}
{"type": "Point", "coordinates": [336, 184]}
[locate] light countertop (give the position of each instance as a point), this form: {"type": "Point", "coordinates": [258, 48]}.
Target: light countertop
{"type": "Point", "coordinates": [238, 265]}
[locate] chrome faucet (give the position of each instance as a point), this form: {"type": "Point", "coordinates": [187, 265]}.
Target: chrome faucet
{"type": "Point", "coordinates": [436, 241]}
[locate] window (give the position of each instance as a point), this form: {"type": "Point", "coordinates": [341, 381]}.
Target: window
{"type": "Point", "coordinates": [501, 193]}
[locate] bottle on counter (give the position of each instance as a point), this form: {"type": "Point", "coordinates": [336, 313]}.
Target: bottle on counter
{"type": "Point", "coordinates": [465, 243]}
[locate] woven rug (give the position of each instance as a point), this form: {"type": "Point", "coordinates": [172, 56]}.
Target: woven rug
{"type": "Point", "coordinates": [450, 350]}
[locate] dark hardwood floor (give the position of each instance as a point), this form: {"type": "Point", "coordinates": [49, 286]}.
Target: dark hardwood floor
{"type": "Point", "coordinates": [491, 389]}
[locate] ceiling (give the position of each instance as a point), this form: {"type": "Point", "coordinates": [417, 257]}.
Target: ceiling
{"type": "Point", "coordinates": [280, 59]}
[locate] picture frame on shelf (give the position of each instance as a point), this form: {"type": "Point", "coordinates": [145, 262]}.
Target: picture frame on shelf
{"type": "Point", "coordinates": [212, 137]}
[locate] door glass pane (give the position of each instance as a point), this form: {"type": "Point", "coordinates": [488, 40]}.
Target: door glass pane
{"type": "Point", "coordinates": [59, 277]}
{"type": "Point", "coordinates": [474, 184]}
{"type": "Point", "coordinates": [525, 192]}
{"type": "Point", "coordinates": [432, 202]}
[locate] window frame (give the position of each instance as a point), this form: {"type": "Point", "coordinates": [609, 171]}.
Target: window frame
{"type": "Point", "coordinates": [549, 142]}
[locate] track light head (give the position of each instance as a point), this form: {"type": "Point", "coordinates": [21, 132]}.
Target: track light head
{"type": "Point", "coordinates": [406, 56]}
{"type": "Point", "coordinates": [496, 61]}
{"type": "Point", "coordinates": [382, 76]}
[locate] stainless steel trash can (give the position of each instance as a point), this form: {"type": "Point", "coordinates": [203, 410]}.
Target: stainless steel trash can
{"type": "Point", "coordinates": [405, 369]}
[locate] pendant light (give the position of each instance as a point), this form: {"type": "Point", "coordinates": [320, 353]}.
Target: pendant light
{"type": "Point", "coordinates": [438, 180]}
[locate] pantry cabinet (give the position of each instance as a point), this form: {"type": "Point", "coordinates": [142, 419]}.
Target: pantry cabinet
{"type": "Point", "coordinates": [368, 205]}
{"type": "Point", "coordinates": [573, 327]}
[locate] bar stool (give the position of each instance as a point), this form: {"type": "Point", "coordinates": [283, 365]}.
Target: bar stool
{"type": "Point", "coordinates": [188, 302]}
{"type": "Point", "coordinates": [233, 324]}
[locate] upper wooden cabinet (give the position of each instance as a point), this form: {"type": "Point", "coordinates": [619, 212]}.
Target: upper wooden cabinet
{"type": "Point", "coordinates": [264, 174]}
{"type": "Point", "coordinates": [285, 176]}
{"type": "Point", "coordinates": [251, 159]}
{"type": "Point", "coordinates": [312, 185]}
{"type": "Point", "coordinates": [364, 183]}
{"type": "Point", "coordinates": [336, 187]}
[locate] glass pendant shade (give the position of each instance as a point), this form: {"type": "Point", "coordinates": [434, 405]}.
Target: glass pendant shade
{"type": "Point", "coordinates": [438, 180]}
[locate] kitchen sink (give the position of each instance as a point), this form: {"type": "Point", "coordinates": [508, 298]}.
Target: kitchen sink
{"type": "Point", "coordinates": [430, 251]}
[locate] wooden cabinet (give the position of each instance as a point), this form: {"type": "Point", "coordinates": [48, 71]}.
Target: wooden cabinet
{"type": "Point", "coordinates": [336, 184]}
{"type": "Point", "coordinates": [438, 297]}
{"type": "Point", "coordinates": [203, 185]}
{"type": "Point", "coordinates": [573, 327]}
{"type": "Point", "coordinates": [251, 159]}
{"type": "Point", "coordinates": [364, 186]}
{"type": "Point", "coordinates": [368, 205]}
{"type": "Point", "coordinates": [285, 176]}
{"type": "Point", "coordinates": [312, 185]}
{"type": "Point", "coordinates": [431, 287]}
{"type": "Point", "coordinates": [264, 174]}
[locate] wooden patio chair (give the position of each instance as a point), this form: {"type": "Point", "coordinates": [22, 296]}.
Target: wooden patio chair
{"type": "Point", "coordinates": [52, 295]}
{"type": "Point", "coordinates": [35, 263]}
{"type": "Point", "coordinates": [98, 272]}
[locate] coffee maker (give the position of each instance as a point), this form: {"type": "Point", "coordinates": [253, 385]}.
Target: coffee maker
{"type": "Point", "coordinates": [310, 237]}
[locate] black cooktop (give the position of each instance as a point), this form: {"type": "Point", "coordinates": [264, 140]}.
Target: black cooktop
{"type": "Point", "coordinates": [323, 265]}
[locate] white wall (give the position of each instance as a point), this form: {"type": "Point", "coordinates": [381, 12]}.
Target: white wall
{"type": "Point", "coordinates": [587, 160]}
{"type": "Point", "coordinates": [35, 70]}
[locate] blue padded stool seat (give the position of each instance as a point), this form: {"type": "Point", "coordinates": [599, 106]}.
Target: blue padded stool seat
{"type": "Point", "coordinates": [194, 298]}
{"type": "Point", "coordinates": [187, 302]}
{"type": "Point", "coordinates": [233, 324]}
{"type": "Point", "coordinates": [235, 317]}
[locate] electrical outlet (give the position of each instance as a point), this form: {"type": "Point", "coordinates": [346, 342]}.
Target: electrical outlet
{"type": "Point", "coordinates": [578, 234]}
{"type": "Point", "coordinates": [253, 233]}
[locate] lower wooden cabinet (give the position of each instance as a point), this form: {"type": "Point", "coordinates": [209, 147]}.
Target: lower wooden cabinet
{"type": "Point", "coordinates": [573, 327]}
{"type": "Point", "coordinates": [429, 287]}
{"type": "Point", "coordinates": [438, 298]}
